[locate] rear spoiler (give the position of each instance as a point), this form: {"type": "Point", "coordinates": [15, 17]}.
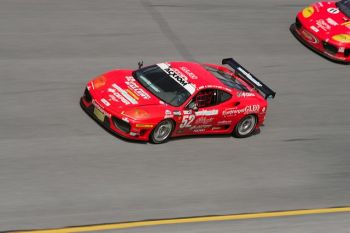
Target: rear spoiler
{"type": "Point", "coordinates": [248, 77]}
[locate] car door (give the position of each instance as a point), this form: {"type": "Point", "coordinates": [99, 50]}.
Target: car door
{"type": "Point", "coordinates": [202, 113]}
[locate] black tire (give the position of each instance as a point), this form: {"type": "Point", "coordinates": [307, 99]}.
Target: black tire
{"type": "Point", "coordinates": [162, 132]}
{"type": "Point", "coordinates": [245, 127]}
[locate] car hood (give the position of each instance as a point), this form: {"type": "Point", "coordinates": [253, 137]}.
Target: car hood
{"type": "Point", "coordinates": [117, 91]}
{"type": "Point", "coordinates": [328, 21]}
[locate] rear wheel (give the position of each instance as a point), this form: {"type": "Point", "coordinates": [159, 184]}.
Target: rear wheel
{"type": "Point", "coordinates": [162, 132]}
{"type": "Point", "coordinates": [245, 127]}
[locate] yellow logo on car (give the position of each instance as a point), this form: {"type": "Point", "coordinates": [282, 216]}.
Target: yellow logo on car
{"type": "Point", "coordinates": [308, 11]}
{"type": "Point", "coordinates": [344, 38]}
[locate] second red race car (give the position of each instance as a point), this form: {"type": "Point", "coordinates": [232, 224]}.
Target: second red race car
{"type": "Point", "coordinates": [175, 99]}
{"type": "Point", "coordinates": [325, 28]}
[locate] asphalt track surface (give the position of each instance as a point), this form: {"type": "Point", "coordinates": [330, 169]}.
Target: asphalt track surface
{"type": "Point", "coordinates": [59, 168]}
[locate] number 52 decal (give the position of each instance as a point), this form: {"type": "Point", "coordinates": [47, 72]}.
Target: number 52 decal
{"type": "Point", "coordinates": [187, 121]}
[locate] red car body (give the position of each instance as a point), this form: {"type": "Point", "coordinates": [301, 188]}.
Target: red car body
{"type": "Point", "coordinates": [325, 28]}
{"type": "Point", "coordinates": [126, 104]}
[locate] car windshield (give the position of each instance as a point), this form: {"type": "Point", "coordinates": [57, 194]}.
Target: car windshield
{"type": "Point", "coordinates": [344, 6]}
{"type": "Point", "coordinates": [168, 87]}
{"type": "Point", "coordinates": [226, 79]}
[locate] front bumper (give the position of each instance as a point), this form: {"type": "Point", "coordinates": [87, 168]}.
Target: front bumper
{"type": "Point", "coordinates": [109, 123]}
{"type": "Point", "coordinates": [320, 46]}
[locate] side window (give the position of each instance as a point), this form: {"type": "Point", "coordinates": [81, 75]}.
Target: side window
{"type": "Point", "coordinates": [223, 96]}
{"type": "Point", "coordinates": [205, 98]}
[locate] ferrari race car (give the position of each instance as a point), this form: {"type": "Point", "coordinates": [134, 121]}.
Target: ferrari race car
{"type": "Point", "coordinates": [325, 28]}
{"type": "Point", "coordinates": [174, 99]}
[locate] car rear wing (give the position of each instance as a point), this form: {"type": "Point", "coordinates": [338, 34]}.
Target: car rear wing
{"type": "Point", "coordinates": [251, 79]}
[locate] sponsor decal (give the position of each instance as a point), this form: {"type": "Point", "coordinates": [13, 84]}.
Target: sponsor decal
{"type": "Point", "coordinates": [177, 113]}
{"type": "Point", "coordinates": [137, 90]}
{"type": "Point", "coordinates": [344, 38]}
{"type": "Point", "coordinates": [315, 29]}
{"type": "Point", "coordinates": [187, 121]}
{"type": "Point", "coordinates": [130, 92]}
{"type": "Point", "coordinates": [201, 127]}
{"type": "Point", "coordinates": [250, 77]}
{"type": "Point", "coordinates": [203, 120]}
{"type": "Point", "coordinates": [124, 93]}
{"type": "Point", "coordinates": [168, 114]}
{"type": "Point", "coordinates": [224, 122]}
{"type": "Point", "coordinates": [341, 50]}
{"type": "Point", "coordinates": [105, 102]}
{"type": "Point", "coordinates": [311, 38]}
{"type": "Point", "coordinates": [174, 75]}
{"type": "Point", "coordinates": [333, 11]}
{"type": "Point", "coordinates": [207, 112]}
{"type": "Point", "coordinates": [125, 119]}
{"type": "Point", "coordinates": [332, 22]}
{"type": "Point", "coordinates": [323, 25]}
{"type": "Point", "coordinates": [188, 72]}
{"type": "Point", "coordinates": [116, 95]}
{"type": "Point", "coordinates": [144, 126]}
{"type": "Point", "coordinates": [234, 111]}
{"type": "Point", "coordinates": [187, 112]}
{"type": "Point", "coordinates": [245, 94]}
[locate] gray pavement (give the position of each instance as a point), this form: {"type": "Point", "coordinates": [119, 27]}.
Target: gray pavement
{"type": "Point", "coordinates": [59, 168]}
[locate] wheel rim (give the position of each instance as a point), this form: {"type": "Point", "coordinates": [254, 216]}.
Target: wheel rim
{"type": "Point", "coordinates": [163, 131]}
{"type": "Point", "coordinates": [247, 125]}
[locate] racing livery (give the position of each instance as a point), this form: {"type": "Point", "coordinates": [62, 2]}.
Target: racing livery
{"type": "Point", "coordinates": [173, 99]}
{"type": "Point", "coordinates": [325, 28]}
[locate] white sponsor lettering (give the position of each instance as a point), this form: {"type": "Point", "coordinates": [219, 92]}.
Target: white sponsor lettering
{"type": "Point", "coordinates": [245, 94]}
{"type": "Point", "coordinates": [168, 114]}
{"type": "Point", "coordinates": [118, 96]}
{"type": "Point", "coordinates": [105, 102]}
{"type": "Point", "coordinates": [207, 112]}
{"type": "Point", "coordinates": [331, 21]}
{"type": "Point", "coordinates": [177, 113]}
{"type": "Point", "coordinates": [224, 122]}
{"type": "Point", "coordinates": [315, 29]}
{"type": "Point", "coordinates": [187, 121]}
{"type": "Point", "coordinates": [190, 88]}
{"type": "Point", "coordinates": [124, 93]}
{"type": "Point", "coordinates": [200, 127]}
{"type": "Point", "coordinates": [136, 88]}
{"type": "Point", "coordinates": [323, 25]}
{"type": "Point", "coordinates": [188, 72]}
{"type": "Point", "coordinates": [248, 109]}
{"type": "Point", "coordinates": [250, 77]}
{"type": "Point", "coordinates": [203, 120]}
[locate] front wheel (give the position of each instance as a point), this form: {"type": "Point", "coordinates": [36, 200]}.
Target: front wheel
{"type": "Point", "coordinates": [162, 132]}
{"type": "Point", "coordinates": [245, 127]}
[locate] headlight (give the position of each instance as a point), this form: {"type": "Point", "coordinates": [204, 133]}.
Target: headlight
{"type": "Point", "coordinates": [344, 38]}
{"type": "Point", "coordinates": [99, 82]}
{"type": "Point", "coordinates": [308, 11]}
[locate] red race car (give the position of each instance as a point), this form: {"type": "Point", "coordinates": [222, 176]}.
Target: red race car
{"type": "Point", "coordinates": [174, 99]}
{"type": "Point", "coordinates": [325, 28]}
